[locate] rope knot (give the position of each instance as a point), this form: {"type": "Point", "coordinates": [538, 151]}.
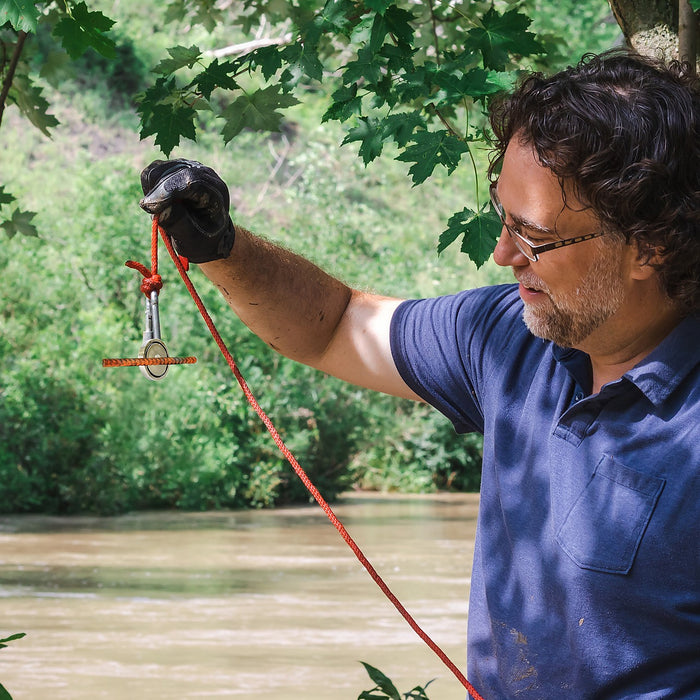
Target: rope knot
{"type": "Point", "coordinates": [152, 282]}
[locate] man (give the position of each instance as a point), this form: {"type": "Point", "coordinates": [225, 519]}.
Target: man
{"type": "Point", "coordinates": [584, 377]}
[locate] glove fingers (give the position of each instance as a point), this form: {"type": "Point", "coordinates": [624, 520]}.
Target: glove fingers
{"type": "Point", "coordinates": [191, 182]}
{"type": "Point", "coordinates": [158, 169]}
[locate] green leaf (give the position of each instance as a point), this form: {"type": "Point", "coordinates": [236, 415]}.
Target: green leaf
{"type": "Point", "coordinates": [5, 198]}
{"type": "Point", "coordinates": [19, 635]}
{"type": "Point", "coordinates": [379, 6]}
{"type": "Point", "coordinates": [502, 35]}
{"type": "Point", "coordinates": [366, 67]}
{"type": "Point", "coordinates": [695, 4]}
{"type": "Point", "coordinates": [371, 138]}
{"type": "Point", "coordinates": [32, 103]}
{"type": "Point", "coordinates": [54, 68]}
{"type": "Point", "coordinates": [345, 104]}
{"type": "Point", "coordinates": [4, 695]}
{"type": "Point", "coordinates": [215, 75]}
{"type": "Point", "coordinates": [399, 24]}
{"type": "Point", "coordinates": [480, 231]}
{"type": "Point", "coordinates": [83, 29]}
{"type": "Point", "coordinates": [20, 222]}
{"type": "Point", "coordinates": [382, 682]}
{"type": "Point", "coordinates": [257, 111]}
{"type": "Point", "coordinates": [268, 58]}
{"type": "Point", "coordinates": [418, 693]}
{"type": "Point", "coordinates": [169, 122]}
{"type": "Point", "coordinates": [430, 149]}
{"type": "Point", "coordinates": [180, 56]}
{"type": "Point", "coordinates": [334, 17]}
{"type": "Point", "coordinates": [21, 14]}
{"type": "Point", "coordinates": [401, 126]}
{"type": "Point", "coordinates": [302, 60]}
{"type": "Point", "coordinates": [416, 83]}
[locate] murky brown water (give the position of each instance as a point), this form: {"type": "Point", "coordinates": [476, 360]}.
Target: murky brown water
{"type": "Point", "coordinates": [263, 604]}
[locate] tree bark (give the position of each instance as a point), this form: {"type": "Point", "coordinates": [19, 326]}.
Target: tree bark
{"type": "Point", "coordinates": [651, 27]}
{"type": "Point", "coordinates": [687, 33]}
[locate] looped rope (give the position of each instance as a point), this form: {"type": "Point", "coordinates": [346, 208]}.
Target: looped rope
{"type": "Point", "coordinates": [152, 281]}
{"type": "Point", "coordinates": [180, 264]}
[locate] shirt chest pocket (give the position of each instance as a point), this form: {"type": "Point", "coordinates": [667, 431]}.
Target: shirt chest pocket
{"type": "Point", "coordinates": [605, 525]}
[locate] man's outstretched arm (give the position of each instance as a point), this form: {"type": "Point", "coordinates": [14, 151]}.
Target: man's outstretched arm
{"type": "Point", "coordinates": [290, 303]}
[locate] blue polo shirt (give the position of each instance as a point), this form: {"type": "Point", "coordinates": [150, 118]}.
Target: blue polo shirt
{"type": "Point", "coordinates": [586, 576]}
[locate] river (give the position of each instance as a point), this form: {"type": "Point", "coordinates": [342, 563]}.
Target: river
{"type": "Point", "coordinates": [242, 604]}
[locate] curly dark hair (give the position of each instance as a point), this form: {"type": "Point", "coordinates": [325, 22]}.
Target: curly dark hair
{"type": "Point", "coordinates": [624, 131]}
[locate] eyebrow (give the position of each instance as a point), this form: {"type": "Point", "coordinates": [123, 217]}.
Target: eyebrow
{"type": "Point", "coordinates": [533, 226]}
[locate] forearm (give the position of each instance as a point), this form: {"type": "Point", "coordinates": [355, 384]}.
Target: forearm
{"type": "Point", "coordinates": [290, 303]}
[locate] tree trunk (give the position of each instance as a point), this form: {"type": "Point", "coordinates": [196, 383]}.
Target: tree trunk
{"type": "Point", "coordinates": [687, 33]}
{"type": "Point", "coordinates": [651, 27]}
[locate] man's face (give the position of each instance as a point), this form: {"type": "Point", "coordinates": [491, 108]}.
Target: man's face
{"type": "Point", "coordinates": [568, 292]}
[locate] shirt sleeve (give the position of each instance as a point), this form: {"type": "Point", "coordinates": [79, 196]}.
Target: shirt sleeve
{"type": "Point", "coordinates": [444, 348]}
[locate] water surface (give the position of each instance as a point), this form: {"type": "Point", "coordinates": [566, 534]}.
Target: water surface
{"type": "Point", "coordinates": [253, 604]}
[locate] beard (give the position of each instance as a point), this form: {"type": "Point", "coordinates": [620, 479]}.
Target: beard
{"type": "Point", "coordinates": [568, 318]}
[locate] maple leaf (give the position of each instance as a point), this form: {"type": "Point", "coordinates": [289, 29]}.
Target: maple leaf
{"type": "Point", "coordinates": [20, 222]}
{"type": "Point", "coordinates": [180, 56]}
{"type": "Point", "coordinates": [268, 58]}
{"type": "Point", "coordinates": [256, 111]}
{"type": "Point", "coordinates": [401, 126]}
{"type": "Point", "coordinates": [21, 14]}
{"type": "Point", "coordinates": [365, 67]}
{"type": "Point", "coordinates": [215, 75]}
{"type": "Point", "coordinates": [379, 6]}
{"type": "Point", "coordinates": [169, 122]}
{"type": "Point", "coordinates": [370, 134]}
{"type": "Point", "coordinates": [430, 149]}
{"type": "Point", "coordinates": [32, 103]}
{"type": "Point", "coordinates": [399, 24]}
{"type": "Point", "coordinates": [334, 17]}
{"type": "Point", "coordinates": [480, 231]}
{"type": "Point", "coordinates": [501, 35]}
{"type": "Point", "coordinates": [302, 59]}
{"type": "Point", "coordinates": [345, 104]}
{"type": "Point", "coordinates": [83, 29]}
{"type": "Point", "coordinates": [6, 197]}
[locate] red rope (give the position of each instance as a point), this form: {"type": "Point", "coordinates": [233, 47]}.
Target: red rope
{"type": "Point", "coordinates": [152, 281]}
{"type": "Point", "coordinates": [146, 361]}
{"type": "Point", "coordinates": [302, 474]}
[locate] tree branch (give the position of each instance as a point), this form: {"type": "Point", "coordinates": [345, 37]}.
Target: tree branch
{"type": "Point", "coordinates": [9, 76]}
{"type": "Point", "coordinates": [248, 46]}
{"type": "Point", "coordinates": [687, 34]}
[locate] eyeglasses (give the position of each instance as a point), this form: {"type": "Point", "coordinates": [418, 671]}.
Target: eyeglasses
{"type": "Point", "coordinates": [529, 249]}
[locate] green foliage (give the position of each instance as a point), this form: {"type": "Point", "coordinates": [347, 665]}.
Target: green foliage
{"type": "Point", "coordinates": [4, 695]}
{"type": "Point", "coordinates": [78, 29]}
{"type": "Point", "coordinates": [412, 79]}
{"type": "Point", "coordinates": [394, 81]}
{"type": "Point", "coordinates": [78, 438]}
{"type": "Point", "coordinates": [23, 15]}
{"type": "Point", "coordinates": [384, 689]}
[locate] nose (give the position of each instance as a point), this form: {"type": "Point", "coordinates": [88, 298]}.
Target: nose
{"type": "Point", "coordinates": [506, 253]}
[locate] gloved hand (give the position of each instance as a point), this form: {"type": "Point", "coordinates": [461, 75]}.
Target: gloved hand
{"type": "Point", "coordinates": [191, 202]}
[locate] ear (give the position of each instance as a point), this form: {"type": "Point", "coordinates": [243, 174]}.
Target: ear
{"type": "Point", "coordinates": [646, 261]}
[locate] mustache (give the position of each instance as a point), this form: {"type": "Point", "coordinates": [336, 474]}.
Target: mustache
{"type": "Point", "coordinates": [527, 279]}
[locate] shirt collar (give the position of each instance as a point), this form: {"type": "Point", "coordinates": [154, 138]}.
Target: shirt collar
{"type": "Point", "coordinates": [659, 373]}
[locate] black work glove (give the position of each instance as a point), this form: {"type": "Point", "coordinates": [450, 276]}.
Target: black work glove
{"type": "Point", "coordinates": [191, 202]}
